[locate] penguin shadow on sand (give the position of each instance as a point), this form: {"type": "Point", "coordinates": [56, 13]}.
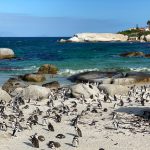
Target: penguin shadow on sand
{"type": "Point", "coordinates": [28, 143]}
{"type": "Point", "coordinates": [69, 144]}
{"type": "Point", "coordinates": [71, 135]}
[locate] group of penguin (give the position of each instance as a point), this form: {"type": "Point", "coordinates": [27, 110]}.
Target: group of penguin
{"type": "Point", "coordinates": [64, 93]}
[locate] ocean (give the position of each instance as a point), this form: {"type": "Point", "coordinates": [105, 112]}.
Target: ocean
{"type": "Point", "coordinates": [70, 58]}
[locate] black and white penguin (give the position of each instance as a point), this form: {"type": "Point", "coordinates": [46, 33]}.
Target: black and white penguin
{"type": "Point", "coordinates": [35, 141]}
{"type": "Point", "coordinates": [116, 124]}
{"type": "Point", "coordinates": [14, 131]}
{"type": "Point", "coordinates": [60, 136]}
{"type": "Point", "coordinates": [50, 127]}
{"type": "Point", "coordinates": [58, 118]}
{"type": "Point", "coordinates": [78, 131]}
{"type": "Point", "coordinates": [75, 141]}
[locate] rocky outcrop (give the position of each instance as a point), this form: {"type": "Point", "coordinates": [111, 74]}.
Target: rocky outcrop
{"type": "Point", "coordinates": [4, 95]}
{"type": "Point", "coordinates": [113, 89]}
{"type": "Point", "coordinates": [6, 53]}
{"type": "Point", "coordinates": [96, 37]}
{"type": "Point", "coordinates": [147, 55]}
{"type": "Point", "coordinates": [132, 54]}
{"type": "Point", "coordinates": [35, 92]}
{"type": "Point", "coordinates": [95, 76]}
{"type": "Point", "coordinates": [147, 37]}
{"type": "Point", "coordinates": [33, 77]}
{"type": "Point", "coordinates": [52, 85]}
{"type": "Point", "coordinates": [116, 78]}
{"type": "Point", "coordinates": [48, 69]}
{"type": "Point", "coordinates": [84, 89]}
{"type": "Point", "coordinates": [13, 83]}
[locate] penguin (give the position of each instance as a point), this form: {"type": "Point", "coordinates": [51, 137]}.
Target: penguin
{"type": "Point", "coordinates": [35, 141]}
{"type": "Point", "coordinates": [44, 122]}
{"type": "Point", "coordinates": [121, 102]}
{"type": "Point", "coordinates": [142, 102]}
{"type": "Point", "coordinates": [50, 127]}
{"type": "Point", "coordinates": [75, 121]}
{"type": "Point", "coordinates": [114, 115]}
{"type": "Point", "coordinates": [115, 98]}
{"type": "Point", "coordinates": [75, 141]}
{"type": "Point", "coordinates": [4, 126]}
{"type": "Point", "coordinates": [60, 136]}
{"type": "Point", "coordinates": [29, 125]}
{"type": "Point", "coordinates": [14, 131]}
{"type": "Point", "coordinates": [51, 145]}
{"type": "Point", "coordinates": [78, 131]}
{"type": "Point", "coordinates": [116, 124]}
{"type": "Point", "coordinates": [41, 138]}
{"type": "Point", "coordinates": [58, 118]}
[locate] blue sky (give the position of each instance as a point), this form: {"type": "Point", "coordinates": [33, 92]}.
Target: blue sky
{"type": "Point", "coordinates": [67, 17]}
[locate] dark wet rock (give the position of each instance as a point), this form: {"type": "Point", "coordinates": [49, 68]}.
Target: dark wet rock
{"type": "Point", "coordinates": [48, 69]}
{"type": "Point", "coordinates": [147, 55]}
{"type": "Point", "coordinates": [95, 76]}
{"type": "Point", "coordinates": [33, 77]}
{"type": "Point", "coordinates": [132, 54]}
{"type": "Point", "coordinates": [52, 85]}
{"type": "Point", "coordinates": [13, 83]}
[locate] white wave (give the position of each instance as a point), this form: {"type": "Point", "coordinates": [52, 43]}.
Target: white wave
{"type": "Point", "coordinates": [142, 69]}
{"type": "Point", "coordinates": [25, 69]}
{"type": "Point", "coordinates": [66, 72]}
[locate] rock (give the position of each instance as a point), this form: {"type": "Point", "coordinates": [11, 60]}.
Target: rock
{"type": "Point", "coordinates": [147, 37]}
{"type": "Point", "coordinates": [96, 37]}
{"type": "Point", "coordinates": [147, 55]}
{"type": "Point", "coordinates": [124, 81]}
{"type": "Point", "coordinates": [4, 95]}
{"type": "Point", "coordinates": [95, 76]}
{"type": "Point", "coordinates": [132, 54]}
{"type": "Point", "coordinates": [33, 77]}
{"type": "Point", "coordinates": [48, 69]}
{"type": "Point", "coordinates": [17, 91]}
{"type": "Point", "coordinates": [13, 83]}
{"type": "Point", "coordinates": [84, 89]}
{"type": "Point", "coordinates": [139, 77]}
{"type": "Point", "coordinates": [113, 89]}
{"type": "Point", "coordinates": [35, 92]}
{"type": "Point", "coordinates": [6, 53]}
{"type": "Point", "coordinates": [52, 85]}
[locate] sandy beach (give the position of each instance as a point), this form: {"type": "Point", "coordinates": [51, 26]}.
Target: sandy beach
{"type": "Point", "coordinates": [96, 123]}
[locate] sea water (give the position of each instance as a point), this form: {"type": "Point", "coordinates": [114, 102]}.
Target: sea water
{"type": "Point", "coordinates": [70, 58]}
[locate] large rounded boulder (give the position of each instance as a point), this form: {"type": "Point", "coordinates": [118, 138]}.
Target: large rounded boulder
{"type": "Point", "coordinates": [113, 89]}
{"type": "Point", "coordinates": [6, 53]}
{"type": "Point", "coordinates": [4, 95]}
{"type": "Point", "coordinates": [33, 77]}
{"type": "Point", "coordinates": [84, 89]}
{"type": "Point", "coordinates": [13, 83]}
{"type": "Point", "coordinates": [48, 69]}
{"type": "Point", "coordinates": [35, 92]}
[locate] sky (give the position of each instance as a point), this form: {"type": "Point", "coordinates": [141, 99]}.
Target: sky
{"type": "Point", "coordinates": [53, 18]}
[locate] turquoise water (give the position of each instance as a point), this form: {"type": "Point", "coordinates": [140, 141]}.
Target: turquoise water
{"type": "Point", "coordinates": [70, 57]}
